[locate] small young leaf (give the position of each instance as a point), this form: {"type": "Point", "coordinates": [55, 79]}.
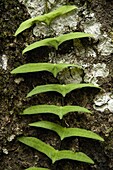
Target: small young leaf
{"type": "Point", "coordinates": [36, 67]}
{"type": "Point", "coordinates": [64, 132]}
{"type": "Point", "coordinates": [46, 18]}
{"type": "Point", "coordinates": [37, 168]}
{"type": "Point", "coordinates": [57, 110]}
{"type": "Point", "coordinates": [62, 89]}
{"type": "Point", "coordinates": [56, 41]}
{"type": "Point", "coordinates": [53, 154]}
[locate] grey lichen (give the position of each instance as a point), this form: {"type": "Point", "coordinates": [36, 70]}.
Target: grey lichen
{"type": "Point", "coordinates": [105, 46]}
{"type": "Point", "coordinates": [92, 26]}
{"type": "Point", "coordinates": [3, 62]}
{"type": "Point", "coordinates": [5, 151]}
{"type": "Point", "coordinates": [97, 70]}
{"type": "Point", "coordinates": [104, 101]}
{"type": "Point", "coordinates": [18, 80]}
{"type": "Point", "coordinates": [10, 138]}
{"type": "Point", "coordinates": [34, 8]}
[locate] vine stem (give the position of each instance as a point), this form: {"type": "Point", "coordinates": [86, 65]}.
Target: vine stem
{"type": "Point", "coordinates": [54, 60]}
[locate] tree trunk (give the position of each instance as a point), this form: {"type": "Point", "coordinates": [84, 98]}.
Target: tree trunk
{"type": "Point", "coordinates": [95, 55]}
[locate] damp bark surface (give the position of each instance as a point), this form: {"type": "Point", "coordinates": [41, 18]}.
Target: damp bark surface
{"type": "Point", "coordinates": [14, 88]}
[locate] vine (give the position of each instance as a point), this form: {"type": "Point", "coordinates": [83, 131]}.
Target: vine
{"type": "Point", "coordinates": [63, 132]}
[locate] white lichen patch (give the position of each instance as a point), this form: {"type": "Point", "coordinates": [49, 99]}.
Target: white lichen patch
{"type": "Point", "coordinates": [105, 46]}
{"type": "Point", "coordinates": [34, 8]}
{"type": "Point", "coordinates": [90, 24]}
{"type": "Point", "coordinates": [3, 62]}
{"type": "Point", "coordinates": [10, 138]}
{"type": "Point", "coordinates": [103, 101]}
{"type": "Point", "coordinates": [5, 151]}
{"type": "Point", "coordinates": [93, 27]}
{"type": "Point", "coordinates": [18, 80]}
{"type": "Point", "coordinates": [90, 52]}
{"type": "Point", "coordinates": [98, 70]}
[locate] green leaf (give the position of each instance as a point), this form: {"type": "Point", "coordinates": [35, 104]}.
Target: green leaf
{"type": "Point", "coordinates": [37, 168]}
{"type": "Point", "coordinates": [36, 67]}
{"type": "Point", "coordinates": [62, 89]}
{"type": "Point", "coordinates": [64, 132]}
{"type": "Point", "coordinates": [77, 156]}
{"type": "Point", "coordinates": [56, 41]}
{"type": "Point", "coordinates": [57, 110]}
{"type": "Point", "coordinates": [72, 35]}
{"type": "Point", "coordinates": [46, 18]}
{"type": "Point", "coordinates": [53, 154]}
{"type": "Point", "coordinates": [45, 42]}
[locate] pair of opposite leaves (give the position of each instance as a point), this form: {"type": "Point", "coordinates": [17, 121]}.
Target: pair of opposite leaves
{"type": "Point", "coordinates": [52, 153]}
{"type": "Point", "coordinates": [47, 18]}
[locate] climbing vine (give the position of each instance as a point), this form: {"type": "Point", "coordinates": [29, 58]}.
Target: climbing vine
{"type": "Point", "coordinates": [63, 89]}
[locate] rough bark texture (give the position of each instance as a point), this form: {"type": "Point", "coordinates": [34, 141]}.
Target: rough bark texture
{"type": "Point", "coordinates": [13, 90]}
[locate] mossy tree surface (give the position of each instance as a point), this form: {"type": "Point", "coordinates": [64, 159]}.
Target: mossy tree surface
{"type": "Point", "coordinates": [13, 99]}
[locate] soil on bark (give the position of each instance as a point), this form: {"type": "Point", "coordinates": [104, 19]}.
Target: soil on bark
{"type": "Point", "coordinates": [13, 90]}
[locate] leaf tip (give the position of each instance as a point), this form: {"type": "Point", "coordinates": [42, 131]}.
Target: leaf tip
{"type": "Point", "coordinates": [101, 139]}
{"type": "Point", "coordinates": [60, 116]}
{"type": "Point", "coordinates": [23, 51]}
{"type": "Point", "coordinates": [12, 72]}
{"type": "Point", "coordinates": [53, 160]}
{"type": "Point", "coordinates": [61, 138]}
{"type": "Point", "coordinates": [15, 34]}
{"type": "Point", "coordinates": [27, 95]}
{"type": "Point", "coordinates": [19, 138]}
{"type": "Point", "coordinates": [55, 74]}
{"type": "Point", "coordinates": [91, 161]}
